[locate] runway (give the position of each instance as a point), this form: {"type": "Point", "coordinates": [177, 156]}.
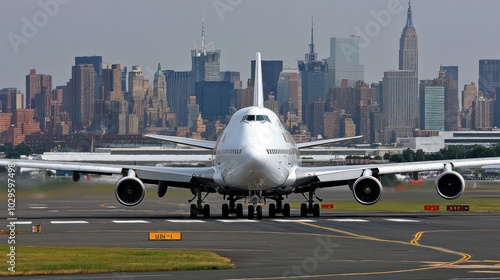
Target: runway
{"type": "Point", "coordinates": [340, 245]}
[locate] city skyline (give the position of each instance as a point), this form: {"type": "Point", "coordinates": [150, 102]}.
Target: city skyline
{"type": "Point", "coordinates": [73, 28]}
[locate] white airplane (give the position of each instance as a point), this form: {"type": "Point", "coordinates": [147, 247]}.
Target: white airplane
{"type": "Point", "coordinates": [256, 157]}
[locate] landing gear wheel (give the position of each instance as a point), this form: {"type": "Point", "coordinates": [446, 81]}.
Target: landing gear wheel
{"type": "Point", "coordinates": [316, 210]}
{"type": "Point", "coordinates": [225, 210]}
{"type": "Point", "coordinates": [250, 212]}
{"type": "Point", "coordinates": [272, 210]}
{"type": "Point", "coordinates": [206, 211]}
{"type": "Point", "coordinates": [303, 210]}
{"type": "Point", "coordinates": [259, 212]}
{"type": "Point", "coordinates": [239, 210]}
{"type": "Point", "coordinates": [193, 212]}
{"type": "Point", "coordinates": [286, 210]}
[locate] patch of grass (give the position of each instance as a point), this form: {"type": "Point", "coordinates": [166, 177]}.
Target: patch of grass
{"type": "Point", "coordinates": [42, 260]}
{"type": "Point", "coordinates": [412, 206]}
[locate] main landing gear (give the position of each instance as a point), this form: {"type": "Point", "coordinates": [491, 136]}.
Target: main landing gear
{"type": "Point", "coordinates": [232, 208]}
{"type": "Point", "coordinates": [199, 208]}
{"type": "Point", "coordinates": [279, 207]}
{"type": "Point", "coordinates": [310, 207]}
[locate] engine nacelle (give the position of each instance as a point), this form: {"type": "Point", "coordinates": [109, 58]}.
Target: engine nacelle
{"type": "Point", "coordinates": [76, 176]}
{"type": "Point", "coordinates": [129, 191]}
{"type": "Point", "coordinates": [450, 185]}
{"type": "Point", "coordinates": [162, 188]}
{"type": "Point", "coordinates": [367, 190]}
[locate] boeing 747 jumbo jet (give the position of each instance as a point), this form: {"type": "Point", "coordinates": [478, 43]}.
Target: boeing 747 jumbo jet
{"type": "Point", "coordinates": [256, 157]}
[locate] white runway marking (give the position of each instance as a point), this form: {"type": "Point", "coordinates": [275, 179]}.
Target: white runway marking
{"type": "Point", "coordinates": [130, 222]}
{"type": "Point", "coordinates": [292, 221]}
{"type": "Point", "coordinates": [38, 207]}
{"type": "Point", "coordinates": [22, 222]}
{"type": "Point", "coordinates": [402, 220]}
{"type": "Point", "coordinates": [349, 220]}
{"type": "Point", "coordinates": [186, 221]}
{"type": "Point", "coordinates": [53, 211]}
{"type": "Point", "coordinates": [238, 221]}
{"type": "Point", "coordinates": [68, 222]}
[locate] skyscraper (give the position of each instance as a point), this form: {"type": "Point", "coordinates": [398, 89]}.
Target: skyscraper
{"type": "Point", "coordinates": [180, 86]}
{"type": "Point", "coordinates": [205, 59]}
{"type": "Point", "coordinates": [271, 70]}
{"type": "Point", "coordinates": [432, 106]}
{"type": "Point", "coordinates": [96, 62]}
{"type": "Point", "coordinates": [489, 77]}
{"type": "Point", "coordinates": [290, 88]}
{"type": "Point", "coordinates": [314, 78]}
{"type": "Point", "coordinates": [83, 83]}
{"type": "Point", "coordinates": [451, 102]}
{"type": "Point", "coordinates": [408, 45]}
{"type": "Point", "coordinates": [37, 84]}
{"type": "Point", "coordinates": [401, 108]}
{"type": "Point", "coordinates": [450, 71]}
{"type": "Point", "coordinates": [344, 62]}
{"type": "Point", "coordinates": [214, 99]}
{"type": "Point", "coordinates": [468, 95]}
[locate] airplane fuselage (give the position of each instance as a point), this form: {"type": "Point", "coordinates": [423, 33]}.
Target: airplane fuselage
{"type": "Point", "coordinates": [255, 152]}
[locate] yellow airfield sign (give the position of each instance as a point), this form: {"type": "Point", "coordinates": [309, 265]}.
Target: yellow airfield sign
{"type": "Point", "coordinates": [165, 236]}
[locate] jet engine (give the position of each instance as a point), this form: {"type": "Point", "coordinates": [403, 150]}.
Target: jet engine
{"type": "Point", "coordinates": [129, 191]}
{"type": "Point", "coordinates": [450, 185]}
{"type": "Point", "coordinates": [367, 190]}
{"type": "Point", "coordinates": [76, 176]}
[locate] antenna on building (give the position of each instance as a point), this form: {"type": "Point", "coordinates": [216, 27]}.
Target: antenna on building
{"type": "Point", "coordinates": [202, 48]}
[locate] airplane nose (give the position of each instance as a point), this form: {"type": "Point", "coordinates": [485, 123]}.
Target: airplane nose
{"type": "Point", "coordinates": [255, 155]}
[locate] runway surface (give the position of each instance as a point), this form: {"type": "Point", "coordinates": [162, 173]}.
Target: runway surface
{"type": "Point", "coordinates": [339, 245]}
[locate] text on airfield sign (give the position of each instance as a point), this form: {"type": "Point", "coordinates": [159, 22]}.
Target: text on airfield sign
{"type": "Point", "coordinates": [165, 236]}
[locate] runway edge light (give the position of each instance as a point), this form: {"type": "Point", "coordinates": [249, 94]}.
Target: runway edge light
{"type": "Point", "coordinates": [165, 236]}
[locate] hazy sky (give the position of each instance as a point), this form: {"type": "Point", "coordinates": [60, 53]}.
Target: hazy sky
{"type": "Point", "coordinates": [47, 36]}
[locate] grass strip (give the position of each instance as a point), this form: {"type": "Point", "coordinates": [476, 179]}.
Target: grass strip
{"type": "Point", "coordinates": [42, 260]}
{"type": "Point", "coordinates": [488, 205]}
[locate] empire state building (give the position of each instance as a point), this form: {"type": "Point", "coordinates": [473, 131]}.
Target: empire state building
{"type": "Point", "coordinates": [408, 46]}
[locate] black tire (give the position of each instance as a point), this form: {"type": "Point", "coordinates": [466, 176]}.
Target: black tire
{"type": "Point", "coordinates": [272, 210]}
{"type": "Point", "coordinates": [316, 210]}
{"type": "Point", "coordinates": [239, 210]}
{"type": "Point", "coordinates": [193, 212]}
{"type": "Point", "coordinates": [250, 212]}
{"type": "Point", "coordinates": [286, 210]}
{"type": "Point", "coordinates": [206, 211]}
{"type": "Point", "coordinates": [259, 212]}
{"type": "Point", "coordinates": [303, 210]}
{"type": "Point", "coordinates": [225, 210]}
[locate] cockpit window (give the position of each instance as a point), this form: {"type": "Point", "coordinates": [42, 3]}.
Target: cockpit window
{"type": "Point", "coordinates": [259, 118]}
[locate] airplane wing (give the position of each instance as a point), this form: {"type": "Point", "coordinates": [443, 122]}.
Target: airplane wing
{"type": "Point", "coordinates": [186, 141]}
{"type": "Point", "coordinates": [365, 181]}
{"type": "Point", "coordinates": [175, 176]}
{"type": "Point", "coordinates": [325, 141]}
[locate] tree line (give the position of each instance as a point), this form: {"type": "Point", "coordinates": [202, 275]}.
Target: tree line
{"type": "Point", "coordinates": [449, 152]}
{"type": "Point", "coordinates": [15, 152]}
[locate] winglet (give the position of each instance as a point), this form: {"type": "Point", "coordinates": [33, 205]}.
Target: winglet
{"type": "Point", "coordinates": [258, 92]}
